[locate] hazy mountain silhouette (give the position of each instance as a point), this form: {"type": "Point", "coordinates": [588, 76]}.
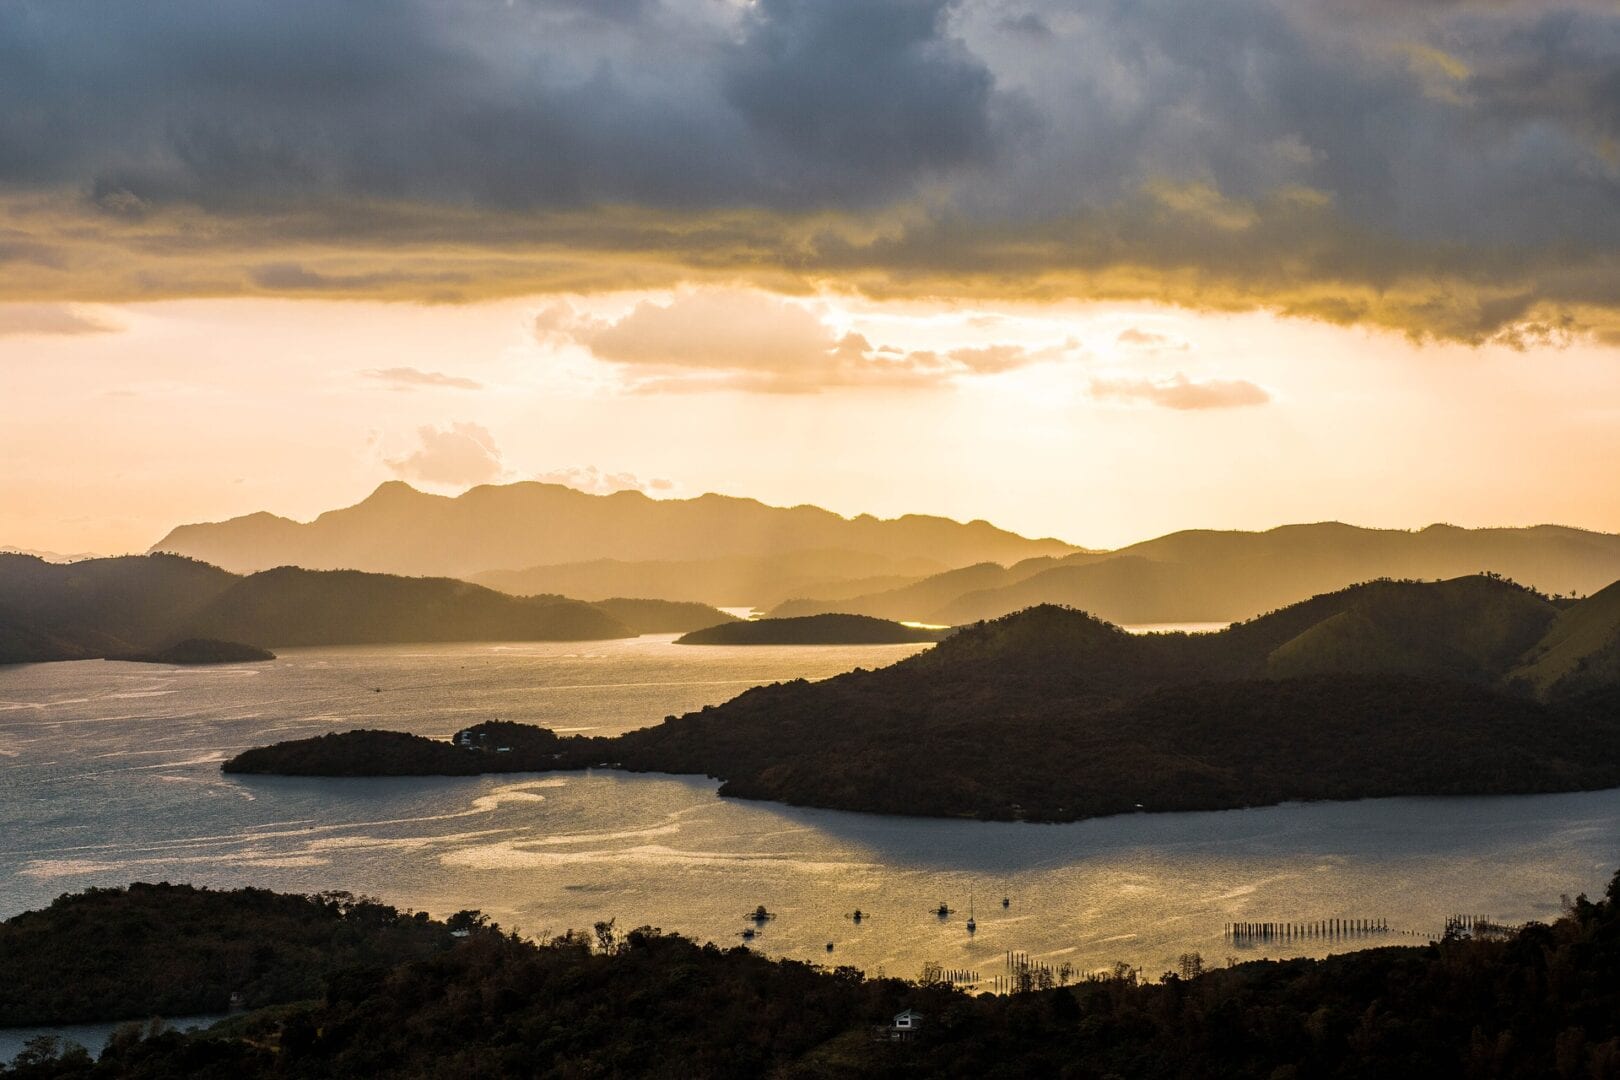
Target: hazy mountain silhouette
{"type": "Point", "coordinates": [1204, 576]}
{"type": "Point", "coordinates": [294, 606]}
{"type": "Point", "coordinates": [144, 604]}
{"type": "Point", "coordinates": [736, 581]}
{"type": "Point", "coordinates": [400, 530]}
{"type": "Point", "coordinates": [662, 616]}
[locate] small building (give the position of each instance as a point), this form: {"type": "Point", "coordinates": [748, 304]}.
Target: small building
{"type": "Point", "coordinates": [906, 1024]}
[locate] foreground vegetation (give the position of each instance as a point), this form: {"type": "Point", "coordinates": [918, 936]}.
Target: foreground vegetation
{"type": "Point", "coordinates": [1391, 688]}
{"type": "Point", "coordinates": [1541, 1001]}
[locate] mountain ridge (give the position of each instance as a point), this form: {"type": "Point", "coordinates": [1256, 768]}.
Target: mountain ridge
{"type": "Point", "coordinates": [398, 529]}
{"type": "Point", "coordinates": [1201, 575]}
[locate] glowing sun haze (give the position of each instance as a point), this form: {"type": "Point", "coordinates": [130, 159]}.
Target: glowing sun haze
{"type": "Point", "coordinates": [1095, 269]}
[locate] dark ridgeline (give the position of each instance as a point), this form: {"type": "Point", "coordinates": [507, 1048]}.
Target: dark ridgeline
{"type": "Point", "coordinates": [360, 989]}
{"type": "Point", "coordinates": [1470, 686]}
{"type": "Point", "coordinates": [146, 606]}
{"type": "Point", "coordinates": [1220, 577]}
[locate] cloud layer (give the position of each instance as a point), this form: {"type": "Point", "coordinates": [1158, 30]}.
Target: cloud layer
{"type": "Point", "coordinates": [734, 339]}
{"type": "Point", "coordinates": [1448, 169]}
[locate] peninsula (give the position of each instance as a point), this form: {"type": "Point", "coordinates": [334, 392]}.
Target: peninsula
{"type": "Point", "coordinates": [1385, 689]}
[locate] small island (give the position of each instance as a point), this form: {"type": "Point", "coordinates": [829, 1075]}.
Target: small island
{"type": "Point", "coordinates": [201, 651]}
{"type": "Point", "coordinates": [814, 630]}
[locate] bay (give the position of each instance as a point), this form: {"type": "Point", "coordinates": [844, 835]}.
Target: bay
{"type": "Point", "coordinates": [109, 773]}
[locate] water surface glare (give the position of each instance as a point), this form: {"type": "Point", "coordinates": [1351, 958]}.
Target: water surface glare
{"type": "Point", "coordinates": [110, 773]}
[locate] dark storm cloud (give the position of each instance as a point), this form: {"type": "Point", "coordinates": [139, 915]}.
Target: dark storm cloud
{"type": "Point", "coordinates": [1443, 168]}
{"type": "Point", "coordinates": [509, 106]}
{"type": "Point", "coordinates": [860, 94]}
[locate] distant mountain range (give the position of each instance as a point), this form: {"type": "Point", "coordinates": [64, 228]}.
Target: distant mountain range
{"type": "Point", "coordinates": [141, 604]}
{"type": "Point", "coordinates": [1204, 576]}
{"type": "Point", "coordinates": [399, 530]}
{"type": "Point", "coordinates": [734, 581]}
{"type": "Point", "coordinates": [545, 539]}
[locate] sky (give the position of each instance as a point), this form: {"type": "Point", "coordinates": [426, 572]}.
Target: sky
{"type": "Point", "coordinates": [1095, 269]}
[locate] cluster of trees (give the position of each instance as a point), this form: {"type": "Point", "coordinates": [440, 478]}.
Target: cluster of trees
{"type": "Point", "coordinates": [177, 950]}
{"type": "Point", "coordinates": [1543, 1001]}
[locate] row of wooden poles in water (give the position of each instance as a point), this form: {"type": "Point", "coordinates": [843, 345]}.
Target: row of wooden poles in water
{"type": "Point", "coordinates": [1299, 931]}
{"type": "Point", "coordinates": [1336, 929]}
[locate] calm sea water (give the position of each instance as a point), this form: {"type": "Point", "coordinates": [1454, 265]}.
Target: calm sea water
{"type": "Point", "coordinates": [110, 773]}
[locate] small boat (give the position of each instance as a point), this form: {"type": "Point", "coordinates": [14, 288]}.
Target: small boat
{"type": "Point", "coordinates": [760, 915]}
{"type": "Point", "coordinates": [1005, 902]}
{"type": "Point", "coordinates": [972, 926]}
{"type": "Point", "coordinates": [748, 933]}
{"type": "Point", "coordinates": [858, 915]}
{"type": "Point", "coordinates": [829, 946]}
{"type": "Point", "coordinates": [943, 911]}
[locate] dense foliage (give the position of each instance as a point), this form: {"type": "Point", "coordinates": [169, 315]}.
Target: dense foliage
{"type": "Point", "coordinates": [1392, 688]}
{"type": "Point", "coordinates": [811, 630]}
{"type": "Point", "coordinates": [154, 950]}
{"type": "Point", "coordinates": [1543, 1001]}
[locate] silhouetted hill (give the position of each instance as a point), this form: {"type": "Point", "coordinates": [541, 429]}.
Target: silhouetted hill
{"type": "Point", "coordinates": [662, 616]}
{"type": "Point", "coordinates": [71, 611]}
{"type": "Point", "coordinates": [930, 594]}
{"type": "Point", "coordinates": [366, 990]}
{"type": "Point", "coordinates": [201, 651]}
{"type": "Point", "coordinates": [811, 630]}
{"type": "Point", "coordinates": [1386, 688]}
{"type": "Point", "coordinates": [1472, 628]}
{"type": "Point", "coordinates": [145, 604]}
{"type": "Point", "coordinates": [735, 581]}
{"type": "Point", "coordinates": [400, 530]}
{"type": "Point", "coordinates": [1205, 576]}
{"type": "Point", "coordinates": [290, 606]}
